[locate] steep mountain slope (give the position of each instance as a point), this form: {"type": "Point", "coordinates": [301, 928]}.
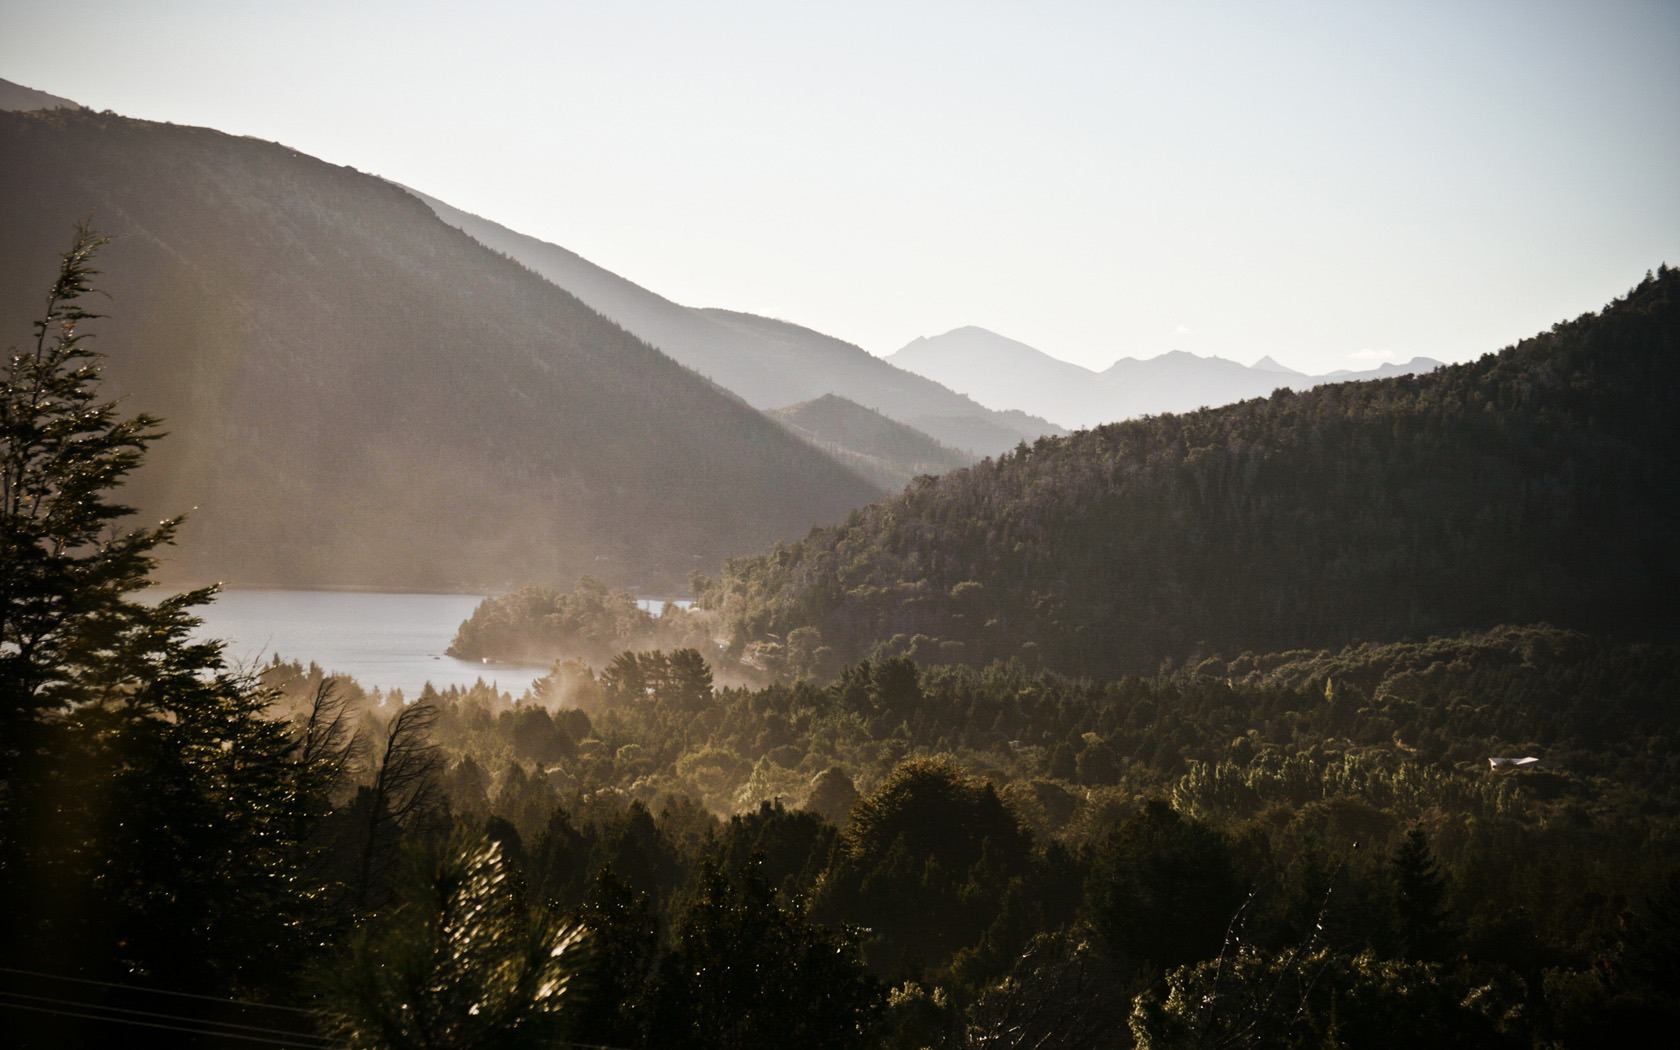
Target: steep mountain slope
{"type": "Point", "coordinates": [22, 99]}
{"type": "Point", "coordinates": [1003, 373]}
{"type": "Point", "coordinates": [1537, 484]}
{"type": "Point", "coordinates": [361, 395]}
{"type": "Point", "coordinates": [769, 363]}
{"type": "Point", "coordinates": [882, 450]}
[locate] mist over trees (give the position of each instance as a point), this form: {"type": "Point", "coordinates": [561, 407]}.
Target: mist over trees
{"type": "Point", "coordinates": [1005, 763]}
{"type": "Point", "coordinates": [153, 820]}
{"type": "Point", "coordinates": [361, 395]}
{"type": "Point", "coordinates": [1287, 846]}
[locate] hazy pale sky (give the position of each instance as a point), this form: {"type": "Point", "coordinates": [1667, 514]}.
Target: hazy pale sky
{"type": "Point", "coordinates": [1328, 183]}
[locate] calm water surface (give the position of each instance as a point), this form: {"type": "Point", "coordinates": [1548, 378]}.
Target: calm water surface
{"type": "Point", "coordinates": [388, 641]}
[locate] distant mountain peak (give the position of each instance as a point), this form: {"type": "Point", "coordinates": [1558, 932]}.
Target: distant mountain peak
{"type": "Point", "coordinates": [1003, 373]}
{"type": "Point", "coordinates": [1268, 364]}
{"type": "Point", "coordinates": [972, 336]}
{"type": "Point", "coordinates": [765, 361]}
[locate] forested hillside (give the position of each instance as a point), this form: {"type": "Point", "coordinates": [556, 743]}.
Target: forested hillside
{"type": "Point", "coordinates": [1284, 847]}
{"type": "Point", "coordinates": [882, 450]}
{"type": "Point", "coordinates": [1462, 842]}
{"type": "Point", "coordinates": [361, 395]}
{"type": "Point", "coordinates": [1535, 484]}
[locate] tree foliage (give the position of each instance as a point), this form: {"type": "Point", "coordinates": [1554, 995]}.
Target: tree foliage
{"type": "Point", "coordinates": [71, 629]}
{"type": "Point", "coordinates": [1163, 888]}
{"type": "Point", "coordinates": [591, 623]}
{"type": "Point", "coordinates": [460, 961]}
{"type": "Point", "coordinates": [747, 972]}
{"type": "Point", "coordinates": [154, 823]}
{"type": "Point", "coordinates": [1531, 485]}
{"type": "Point", "coordinates": [1295, 848]}
{"type": "Point", "coordinates": [1301, 998]}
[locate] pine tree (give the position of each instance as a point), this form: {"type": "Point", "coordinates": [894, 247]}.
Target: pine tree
{"type": "Point", "coordinates": [747, 972]}
{"type": "Point", "coordinates": [1420, 894]}
{"type": "Point", "coordinates": [151, 822]}
{"type": "Point", "coordinates": [460, 961]}
{"type": "Point", "coordinates": [71, 631]}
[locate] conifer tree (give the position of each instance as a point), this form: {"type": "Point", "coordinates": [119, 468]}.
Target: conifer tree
{"type": "Point", "coordinates": [459, 961]}
{"type": "Point", "coordinates": [149, 811]}
{"type": "Point", "coordinates": [747, 972]}
{"type": "Point", "coordinates": [1419, 898]}
{"type": "Point", "coordinates": [71, 630]}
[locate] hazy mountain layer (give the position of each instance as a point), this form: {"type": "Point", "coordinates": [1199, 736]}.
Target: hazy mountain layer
{"type": "Point", "coordinates": [883, 450]}
{"type": "Point", "coordinates": [1006, 374]}
{"type": "Point", "coordinates": [362, 395]}
{"type": "Point", "coordinates": [769, 363]}
{"type": "Point", "coordinates": [1536, 484]}
{"type": "Point", "coordinates": [22, 99]}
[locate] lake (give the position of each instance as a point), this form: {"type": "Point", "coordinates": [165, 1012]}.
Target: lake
{"type": "Point", "coordinates": [388, 641]}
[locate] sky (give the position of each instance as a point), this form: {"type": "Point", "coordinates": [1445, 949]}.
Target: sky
{"type": "Point", "coordinates": [1332, 184]}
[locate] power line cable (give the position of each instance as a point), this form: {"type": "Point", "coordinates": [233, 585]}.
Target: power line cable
{"type": "Point", "coordinates": [91, 1011]}
{"type": "Point", "coordinates": [265, 1040]}
{"type": "Point", "coordinates": [156, 991]}
{"type": "Point", "coordinates": [231, 1027]}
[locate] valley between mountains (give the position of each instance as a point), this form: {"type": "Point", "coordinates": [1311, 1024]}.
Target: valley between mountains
{"type": "Point", "coordinates": [998, 702]}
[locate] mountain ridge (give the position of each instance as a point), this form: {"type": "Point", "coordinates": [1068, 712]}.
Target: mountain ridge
{"type": "Point", "coordinates": [880, 448]}
{"type": "Point", "coordinates": [1530, 485]}
{"type": "Point", "coordinates": [769, 363]}
{"type": "Point", "coordinates": [1004, 373]}
{"type": "Point", "coordinates": [361, 395]}
{"type": "Point", "coordinates": [17, 98]}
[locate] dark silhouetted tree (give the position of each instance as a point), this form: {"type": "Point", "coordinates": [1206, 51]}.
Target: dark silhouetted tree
{"type": "Point", "coordinates": [624, 944]}
{"type": "Point", "coordinates": [459, 960]}
{"type": "Point", "coordinates": [928, 863]}
{"type": "Point", "coordinates": [71, 628]}
{"type": "Point", "coordinates": [749, 973]}
{"type": "Point", "coordinates": [1163, 888]}
{"type": "Point", "coordinates": [406, 789]}
{"type": "Point", "coordinates": [1420, 895]}
{"type": "Point", "coordinates": [153, 821]}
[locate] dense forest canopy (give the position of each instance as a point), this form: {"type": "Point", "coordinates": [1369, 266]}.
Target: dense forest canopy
{"type": "Point", "coordinates": [591, 624]}
{"type": "Point", "coordinates": [1021, 855]}
{"type": "Point", "coordinates": [1533, 484]}
{"type": "Point", "coordinates": [1466, 839]}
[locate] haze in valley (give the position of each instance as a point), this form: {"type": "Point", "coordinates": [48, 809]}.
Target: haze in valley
{"type": "Point", "coordinates": [1167, 514]}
